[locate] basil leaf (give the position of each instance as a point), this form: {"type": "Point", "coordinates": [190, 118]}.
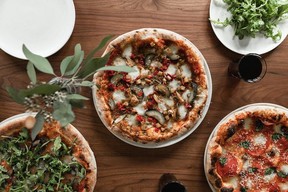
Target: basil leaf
{"type": "Point", "coordinates": [38, 125]}
{"type": "Point", "coordinates": [276, 136]}
{"type": "Point", "coordinates": [245, 144]}
{"type": "Point", "coordinates": [269, 171]}
{"type": "Point", "coordinates": [41, 63]}
{"type": "Point", "coordinates": [222, 161]}
{"type": "Point", "coordinates": [31, 72]}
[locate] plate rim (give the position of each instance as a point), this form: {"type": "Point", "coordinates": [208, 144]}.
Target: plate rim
{"type": "Point", "coordinates": [243, 51]}
{"type": "Point", "coordinates": [62, 42]}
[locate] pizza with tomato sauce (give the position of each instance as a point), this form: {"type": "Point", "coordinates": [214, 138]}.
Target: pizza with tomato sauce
{"type": "Point", "coordinates": [248, 151]}
{"type": "Point", "coordinates": [164, 97]}
{"type": "Point", "coordinates": [57, 160]}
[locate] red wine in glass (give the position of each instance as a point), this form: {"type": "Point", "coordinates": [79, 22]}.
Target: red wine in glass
{"type": "Point", "coordinates": [250, 68]}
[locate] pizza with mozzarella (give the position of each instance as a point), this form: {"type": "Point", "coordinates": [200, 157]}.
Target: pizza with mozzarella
{"type": "Point", "coordinates": [166, 94]}
{"type": "Point", "coordinates": [248, 151]}
{"type": "Point", "coordinates": [57, 160]}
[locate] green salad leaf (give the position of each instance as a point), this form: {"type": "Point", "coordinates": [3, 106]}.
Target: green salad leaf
{"type": "Point", "coordinates": [251, 17]}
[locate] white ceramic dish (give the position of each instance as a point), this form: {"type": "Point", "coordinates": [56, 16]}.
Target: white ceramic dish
{"type": "Point", "coordinates": [150, 32]}
{"type": "Point", "coordinates": [44, 26]}
{"type": "Point", "coordinates": [231, 115]}
{"type": "Point", "coordinates": [259, 44]}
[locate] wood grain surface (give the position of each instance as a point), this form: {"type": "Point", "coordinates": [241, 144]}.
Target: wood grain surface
{"type": "Point", "coordinates": [125, 168]}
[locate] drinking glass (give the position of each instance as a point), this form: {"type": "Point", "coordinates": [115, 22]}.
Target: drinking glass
{"type": "Point", "coordinates": [169, 183]}
{"type": "Point", "coordinates": [251, 68]}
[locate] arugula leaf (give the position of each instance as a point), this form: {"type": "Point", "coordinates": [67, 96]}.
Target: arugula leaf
{"type": "Point", "coordinates": [251, 17]}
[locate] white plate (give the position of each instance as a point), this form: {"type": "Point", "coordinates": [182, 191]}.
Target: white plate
{"type": "Point", "coordinates": [232, 115]}
{"type": "Point", "coordinates": [150, 32]}
{"type": "Point", "coordinates": [259, 44]}
{"type": "Point", "coordinates": [44, 26]}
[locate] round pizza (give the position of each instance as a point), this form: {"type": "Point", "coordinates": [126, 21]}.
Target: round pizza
{"type": "Point", "coordinates": [248, 151]}
{"type": "Point", "coordinates": [57, 160]}
{"type": "Point", "coordinates": [166, 94]}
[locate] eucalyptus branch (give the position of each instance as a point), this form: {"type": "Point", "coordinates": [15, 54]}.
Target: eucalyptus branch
{"type": "Point", "coordinates": [54, 100]}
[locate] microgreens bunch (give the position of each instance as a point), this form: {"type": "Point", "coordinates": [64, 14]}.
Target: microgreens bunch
{"type": "Point", "coordinates": [54, 100]}
{"type": "Point", "coordinates": [251, 17]}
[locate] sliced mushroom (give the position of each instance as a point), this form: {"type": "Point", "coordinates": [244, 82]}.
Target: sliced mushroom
{"type": "Point", "coordinates": [148, 59]}
{"type": "Point", "coordinates": [111, 104]}
{"type": "Point", "coordinates": [195, 91]}
{"type": "Point", "coordinates": [116, 78]}
{"type": "Point", "coordinates": [162, 89]}
{"type": "Point", "coordinates": [156, 115]}
{"type": "Point", "coordinates": [137, 91]}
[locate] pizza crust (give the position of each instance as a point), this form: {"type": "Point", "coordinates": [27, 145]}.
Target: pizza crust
{"type": "Point", "coordinates": [69, 135]}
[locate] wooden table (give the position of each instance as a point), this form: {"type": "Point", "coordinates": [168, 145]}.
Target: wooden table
{"type": "Point", "coordinates": [125, 168]}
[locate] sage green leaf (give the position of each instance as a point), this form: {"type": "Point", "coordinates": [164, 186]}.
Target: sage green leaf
{"type": "Point", "coordinates": [77, 103]}
{"type": "Point", "coordinates": [76, 97]}
{"type": "Point", "coordinates": [43, 89]}
{"type": "Point", "coordinates": [64, 64]}
{"type": "Point", "coordinates": [31, 72]}
{"type": "Point", "coordinates": [100, 46]}
{"type": "Point", "coordinates": [92, 66]}
{"type": "Point", "coordinates": [38, 125]}
{"type": "Point", "coordinates": [126, 69]}
{"type": "Point", "coordinates": [16, 95]}
{"type": "Point", "coordinates": [69, 68]}
{"type": "Point", "coordinates": [85, 84]}
{"type": "Point", "coordinates": [41, 63]}
{"type": "Point", "coordinates": [62, 112]}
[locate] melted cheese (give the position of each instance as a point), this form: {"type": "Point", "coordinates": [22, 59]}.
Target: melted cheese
{"type": "Point", "coordinates": [169, 102]}
{"type": "Point", "coordinates": [144, 72]}
{"type": "Point", "coordinates": [134, 75]}
{"type": "Point", "coordinates": [162, 107]}
{"type": "Point", "coordinates": [148, 90]}
{"type": "Point", "coordinates": [186, 71]}
{"type": "Point", "coordinates": [269, 178]}
{"type": "Point", "coordinates": [127, 52]}
{"type": "Point", "coordinates": [171, 69]}
{"type": "Point", "coordinates": [232, 182]}
{"type": "Point", "coordinates": [174, 85]}
{"type": "Point", "coordinates": [284, 169]}
{"type": "Point", "coordinates": [118, 96]}
{"type": "Point", "coordinates": [156, 64]}
{"type": "Point", "coordinates": [259, 139]}
{"type": "Point", "coordinates": [140, 108]}
{"type": "Point", "coordinates": [131, 119]}
{"type": "Point", "coordinates": [119, 61]}
{"type": "Point", "coordinates": [182, 111]}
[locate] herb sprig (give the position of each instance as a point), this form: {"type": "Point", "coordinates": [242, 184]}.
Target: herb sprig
{"type": "Point", "coordinates": [251, 17]}
{"type": "Point", "coordinates": [54, 100]}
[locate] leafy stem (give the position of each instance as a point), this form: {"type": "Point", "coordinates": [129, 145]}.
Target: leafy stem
{"type": "Point", "coordinates": [55, 99]}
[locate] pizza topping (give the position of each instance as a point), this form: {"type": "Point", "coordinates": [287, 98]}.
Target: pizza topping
{"type": "Point", "coordinates": [227, 166]}
{"type": "Point", "coordinates": [156, 115]}
{"type": "Point", "coordinates": [41, 165]}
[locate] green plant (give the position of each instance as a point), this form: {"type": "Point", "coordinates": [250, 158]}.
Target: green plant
{"type": "Point", "coordinates": [54, 100]}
